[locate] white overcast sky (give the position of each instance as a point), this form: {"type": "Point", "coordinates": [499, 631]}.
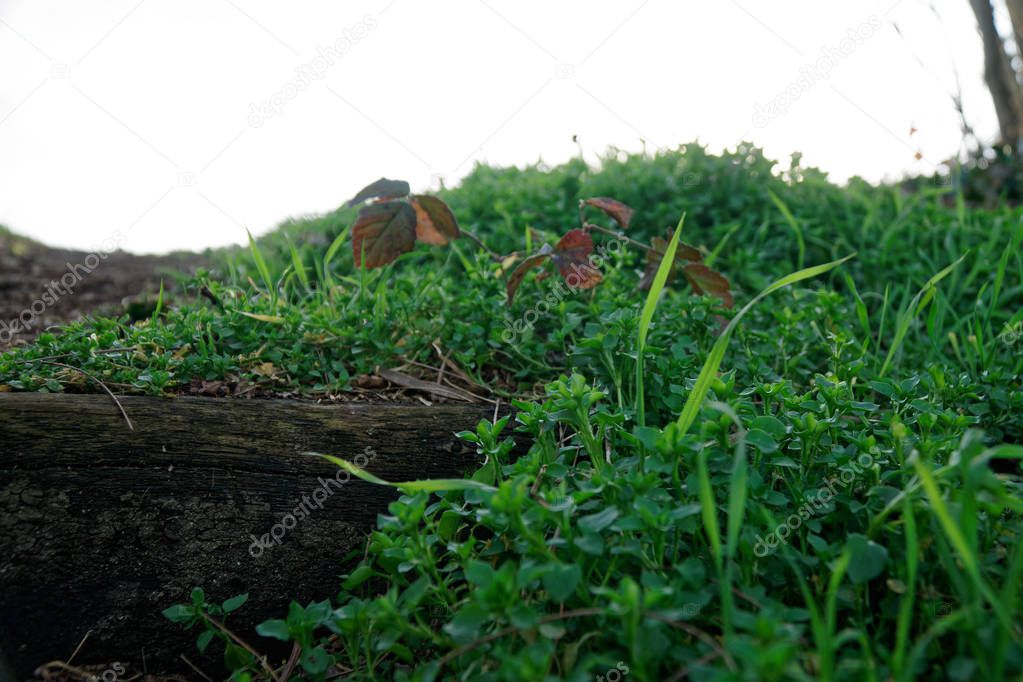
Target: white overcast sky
{"type": "Point", "coordinates": [138, 116]}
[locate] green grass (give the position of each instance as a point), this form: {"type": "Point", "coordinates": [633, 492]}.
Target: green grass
{"type": "Point", "coordinates": [824, 483]}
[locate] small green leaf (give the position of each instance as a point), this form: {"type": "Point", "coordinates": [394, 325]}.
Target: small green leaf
{"type": "Point", "coordinates": [278, 629]}
{"type": "Point", "coordinates": [235, 603]}
{"type": "Point", "coordinates": [179, 613]}
{"type": "Point", "coordinates": [204, 639]}
{"type": "Point", "coordinates": [358, 576]}
{"type": "Point", "coordinates": [599, 521]}
{"type": "Point", "coordinates": [762, 441]}
{"type": "Point", "coordinates": [868, 559]}
{"type": "Point", "coordinates": [236, 657]}
{"type": "Point", "coordinates": [315, 660]}
{"type": "Point", "coordinates": [560, 580]}
{"type": "Point", "coordinates": [771, 425]}
{"type": "Point", "coordinates": [467, 622]}
{"type": "Point", "coordinates": [480, 574]}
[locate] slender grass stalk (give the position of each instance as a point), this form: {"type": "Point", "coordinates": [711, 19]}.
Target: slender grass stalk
{"type": "Point", "coordinates": [298, 266]}
{"type": "Point", "coordinates": [159, 305]}
{"type": "Point", "coordinates": [264, 271]}
{"type": "Point", "coordinates": [737, 493]}
{"type": "Point", "coordinates": [794, 224]}
{"type": "Point", "coordinates": [647, 316]}
{"type": "Point", "coordinates": [960, 543]}
{"type": "Point", "coordinates": [432, 485]}
{"type": "Point", "coordinates": [913, 310]}
{"type": "Point", "coordinates": [332, 250]}
{"type": "Point", "coordinates": [908, 601]}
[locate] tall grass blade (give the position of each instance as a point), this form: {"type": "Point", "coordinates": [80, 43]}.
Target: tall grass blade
{"type": "Point", "coordinates": [915, 307]}
{"type": "Point", "coordinates": [431, 485]}
{"type": "Point", "coordinates": [332, 250]}
{"type": "Point", "coordinates": [959, 542]}
{"type": "Point", "coordinates": [794, 224]}
{"type": "Point", "coordinates": [647, 316]}
{"type": "Point", "coordinates": [298, 266]}
{"type": "Point", "coordinates": [264, 271]}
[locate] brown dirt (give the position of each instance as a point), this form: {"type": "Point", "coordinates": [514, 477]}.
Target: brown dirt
{"type": "Point", "coordinates": [41, 287]}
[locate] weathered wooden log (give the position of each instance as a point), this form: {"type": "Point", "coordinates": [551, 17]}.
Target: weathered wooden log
{"type": "Point", "coordinates": [102, 527]}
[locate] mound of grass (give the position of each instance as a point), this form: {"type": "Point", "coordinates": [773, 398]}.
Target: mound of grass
{"type": "Point", "coordinates": [827, 488]}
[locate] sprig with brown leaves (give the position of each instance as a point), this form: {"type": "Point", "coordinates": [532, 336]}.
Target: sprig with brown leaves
{"type": "Point", "coordinates": [571, 256]}
{"type": "Point", "coordinates": [395, 219]}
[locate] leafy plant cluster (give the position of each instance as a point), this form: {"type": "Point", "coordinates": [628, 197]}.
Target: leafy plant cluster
{"type": "Point", "coordinates": [565, 563]}
{"type": "Point", "coordinates": [394, 220]}
{"type": "Point", "coordinates": [822, 484]}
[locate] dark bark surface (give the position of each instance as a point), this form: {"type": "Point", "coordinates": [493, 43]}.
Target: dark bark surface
{"type": "Point", "coordinates": [102, 527]}
{"type": "Point", "coordinates": [999, 76]}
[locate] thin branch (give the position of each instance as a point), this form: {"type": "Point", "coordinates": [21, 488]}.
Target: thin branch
{"type": "Point", "coordinates": [101, 351]}
{"type": "Point", "coordinates": [479, 242]}
{"type": "Point", "coordinates": [196, 669]}
{"type": "Point", "coordinates": [101, 384]}
{"type": "Point", "coordinates": [619, 235]}
{"type": "Point", "coordinates": [79, 647]}
{"type": "Point", "coordinates": [292, 660]}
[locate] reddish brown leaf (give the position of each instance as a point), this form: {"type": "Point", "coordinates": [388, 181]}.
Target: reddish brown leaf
{"type": "Point", "coordinates": [530, 262]}
{"type": "Point", "coordinates": [572, 257]}
{"type": "Point", "coordinates": [435, 223]}
{"type": "Point", "coordinates": [707, 281]}
{"type": "Point", "coordinates": [383, 232]}
{"type": "Point", "coordinates": [618, 211]}
{"type": "Point", "coordinates": [686, 252]}
{"type": "Point", "coordinates": [683, 253]}
{"type": "Point", "coordinates": [381, 189]}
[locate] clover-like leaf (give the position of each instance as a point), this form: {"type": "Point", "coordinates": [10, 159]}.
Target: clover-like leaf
{"type": "Point", "coordinates": [381, 189]}
{"type": "Point", "coordinates": [382, 233]}
{"type": "Point", "coordinates": [435, 223]}
{"type": "Point", "coordinates": [618, 211]}
{"type": "Point", "coordinates": [867, 558]}
{"type": "Point", "coordinates": [572, 258]}
{"type": "Point", "coordinates": [527, 264]}
{"type": "Point", "coordinates": [707, 281]}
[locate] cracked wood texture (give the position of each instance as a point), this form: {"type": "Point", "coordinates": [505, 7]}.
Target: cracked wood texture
{"type": "Point", "coordinates": [102, 527]}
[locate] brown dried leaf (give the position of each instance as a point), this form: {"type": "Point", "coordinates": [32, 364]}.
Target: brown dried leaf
{"type": "Point", "coordinates": [572, 258]}
{"type": "Point", "coordinates": [381, 189]}
{"type": "Point", "coordinates": [435, 223]}
{"type": "Point", "coordinates": [618, 211]}
{"type": "Point", "coordinates": [683, 253]}
{"type": "Point", "coordinates": [530, 262]}
{"type": "Point", "coordinates": [382, 233]}
{"type": "Point", "coordinates": [707, 281]}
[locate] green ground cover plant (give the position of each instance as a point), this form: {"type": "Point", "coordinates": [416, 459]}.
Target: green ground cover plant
{"type": "Point", "coordinates": [815, 477]}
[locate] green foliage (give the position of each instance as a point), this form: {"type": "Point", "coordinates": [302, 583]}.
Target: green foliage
{"type": "Point", "coordinates": [566, 568]}
{"type": "Point", "coordinates": [829, 489]}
